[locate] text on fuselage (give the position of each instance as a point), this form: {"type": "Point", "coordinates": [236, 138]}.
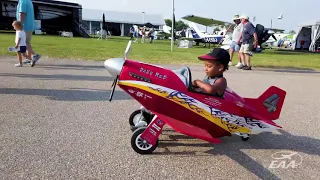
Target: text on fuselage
{"type": "Point", "coordinates": [149, 72]}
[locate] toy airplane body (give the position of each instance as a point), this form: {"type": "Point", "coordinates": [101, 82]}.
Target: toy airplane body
{"type": "Point", "coordinates": [167, 97]}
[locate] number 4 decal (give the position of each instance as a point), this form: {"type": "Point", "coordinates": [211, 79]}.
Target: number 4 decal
{"type": "Point", "coordinates": [271, 102]}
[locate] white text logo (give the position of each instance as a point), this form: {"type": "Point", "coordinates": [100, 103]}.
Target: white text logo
{"type": "Point", "coordinates": [285, 159]}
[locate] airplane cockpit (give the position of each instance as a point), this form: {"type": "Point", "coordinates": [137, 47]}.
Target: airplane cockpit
{"type": "Point", "coordinates": [184, 74]}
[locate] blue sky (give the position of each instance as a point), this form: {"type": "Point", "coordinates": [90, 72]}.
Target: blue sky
{"type": "Point", "coordinates": [294, 12]}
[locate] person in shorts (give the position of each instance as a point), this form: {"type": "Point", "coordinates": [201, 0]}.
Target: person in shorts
{"type": "Point", "coordinates": [136, 33]}
{"type": "Point", "coordinates": [131, 32]}
{"type": "Point", "coordinates": [234, 46]}
{"type": "Point", "coordinates": [151, 34]}
{"type": "Point", "coordinates": [25, 14]}
{"type": "Point", "coordinates": [20, 42]}
{"type": "Point", "coordinates": [246, 38]}
{"type": "Point", "coordinates": [143, 34]}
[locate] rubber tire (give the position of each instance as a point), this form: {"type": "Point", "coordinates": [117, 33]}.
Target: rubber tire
{"type": "Point", "coordinates": [245, 139]}
{"type": "Point", "coordinates": [136, 112]}
{"type": "Point", "coordinates": [135, 134]}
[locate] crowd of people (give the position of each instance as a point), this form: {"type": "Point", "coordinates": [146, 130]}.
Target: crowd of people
{"type": "Point", "coordinates": [144, 32]}
{"type": "Point", "coordinates": [244, 38]}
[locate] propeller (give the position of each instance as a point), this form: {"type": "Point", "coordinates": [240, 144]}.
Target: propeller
{"type": "Point", "coordinates": [128, 49]}
{"type": "Point", "coordinates": [115, 81]}
{"type": "Point", "coordinates": [274, 37]}
{"type": "Point", "coordinates": [113, 86]}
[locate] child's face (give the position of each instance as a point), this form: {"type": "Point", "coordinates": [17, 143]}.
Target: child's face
{"type": "Point", "coordinates": [213, 69]}
{"type": "Point", "coordinates": [16, 27]}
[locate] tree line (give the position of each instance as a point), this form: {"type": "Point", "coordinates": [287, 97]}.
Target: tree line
{"type": "Point", "coordinates": [179, 24]}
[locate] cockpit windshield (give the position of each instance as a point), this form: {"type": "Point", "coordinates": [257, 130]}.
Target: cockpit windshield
{"type": "Point", "coordinates": [184, 74]}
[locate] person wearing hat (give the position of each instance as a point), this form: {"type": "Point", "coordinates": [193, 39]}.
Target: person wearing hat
{"type": "Point", "coordinates": [216, 62]}
{"type": "Point", "coordinates": [143, 34]}
{"type": "Point", "coordinates": [235, 46]}
{"type": "Point", "coordinates": [246, 38]}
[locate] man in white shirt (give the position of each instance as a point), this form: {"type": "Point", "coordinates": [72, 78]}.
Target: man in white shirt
{"type": "Point", "coordinates": [235, 47]}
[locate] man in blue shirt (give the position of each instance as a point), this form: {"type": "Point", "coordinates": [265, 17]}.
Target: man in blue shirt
{"type": "Point", "coordinates": [248, 33]}
{"type": "Point", "coordinates": [25, 14]}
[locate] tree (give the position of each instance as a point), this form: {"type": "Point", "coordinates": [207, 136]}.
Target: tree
{"type": "Point", "coordinates": [179, 24]}
{"type": "Point", "coordinates": [168, 22]}
{"type": "Point", "coordinates": [216, 29]}
{"type": "Point", "coordinates": [292, 32]}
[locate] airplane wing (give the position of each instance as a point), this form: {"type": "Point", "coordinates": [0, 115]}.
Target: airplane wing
{"type": "Point", "coordinates": [205, 21]}
{"type": "Point", "coordinates": [275, 30]}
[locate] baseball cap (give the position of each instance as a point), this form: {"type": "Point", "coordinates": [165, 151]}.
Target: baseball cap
{"type": "Point", "coordinates": [217, 54]}
{"type": "Point", "coordinates": [244, 17]}
{"type": "Point", "coordinates": [235, 17]}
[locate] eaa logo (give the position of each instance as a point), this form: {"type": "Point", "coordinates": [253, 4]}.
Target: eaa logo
{"type": "Point", "coordinates": [285, 159]}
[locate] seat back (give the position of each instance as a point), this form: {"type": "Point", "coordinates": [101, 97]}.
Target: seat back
{"type": "Point", "coordinates": [184, 74]}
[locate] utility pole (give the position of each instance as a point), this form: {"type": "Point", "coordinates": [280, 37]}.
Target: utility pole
{"type": "Point", "coordinates": [143, 17]}
{"type": "Point", "coordinates": [172, 27]}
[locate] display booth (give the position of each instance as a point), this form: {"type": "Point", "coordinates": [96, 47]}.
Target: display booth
{"type": "Point", "coordinates": [308, 37]}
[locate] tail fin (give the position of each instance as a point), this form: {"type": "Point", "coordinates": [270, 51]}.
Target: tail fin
{"type": "Point", "coordinates": [195, 35]}
{"type": "Point", "coordinates": [269, 104]}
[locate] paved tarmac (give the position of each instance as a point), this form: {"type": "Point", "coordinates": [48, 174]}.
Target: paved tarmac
{"type": "Point", "coordinates": [56, 123]}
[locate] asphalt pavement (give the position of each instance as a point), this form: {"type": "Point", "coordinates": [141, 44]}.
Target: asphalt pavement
{"type": "Point", "coordinates": [56, 123]}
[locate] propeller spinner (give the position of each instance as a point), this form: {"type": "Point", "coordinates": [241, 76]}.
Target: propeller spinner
{"type": "Point", "coordinates": [114, 67]}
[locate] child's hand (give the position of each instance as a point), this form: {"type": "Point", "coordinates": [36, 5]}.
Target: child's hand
{"type": "Point", "coordinates": [16, 47]}
{"type": "Point", "coordinates": [194, 83]}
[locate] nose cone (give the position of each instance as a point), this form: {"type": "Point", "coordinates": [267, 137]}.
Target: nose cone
{"type": "Point", "coordinates": [114, 66]}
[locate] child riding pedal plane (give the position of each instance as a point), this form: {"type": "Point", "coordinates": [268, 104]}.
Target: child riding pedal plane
{"type": "Point", "coordinates": [216, 62]}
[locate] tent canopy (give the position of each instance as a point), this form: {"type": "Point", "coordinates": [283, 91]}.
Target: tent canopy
{"type": "Point", "coordinates": [309, 23]}
{"type": "Point", "coordinates": [309, 32]}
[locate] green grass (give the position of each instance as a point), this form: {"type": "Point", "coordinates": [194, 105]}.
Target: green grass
{"type": "Point", "coordinates": [158, 53]}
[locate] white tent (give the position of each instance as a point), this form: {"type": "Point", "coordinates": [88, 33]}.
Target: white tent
{"type": "Point", "coordinates": [310, 33]}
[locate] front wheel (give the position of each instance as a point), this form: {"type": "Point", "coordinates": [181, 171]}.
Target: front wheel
{"type": "Point", "coordinates": [140, 145]}
{"type": "Point", "coordinates": [135, 117]}
{"type": "Point", "coordinates": [245, 137]}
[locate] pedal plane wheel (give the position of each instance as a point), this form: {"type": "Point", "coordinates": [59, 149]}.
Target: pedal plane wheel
{"type": "Point", "coordinates": [245, 137]}
{"type": "Point", "coordinates": [140, 145]}
{"type": "Point", "coordinates": [135, 117]}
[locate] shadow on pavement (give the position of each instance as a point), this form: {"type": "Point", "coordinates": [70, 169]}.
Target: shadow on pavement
{"type": "Point", "coordinates": [303, 71]}
{"type": "Point", "coordinates": [289, 70]}
{"type": "Point", "coordinates": [233, 146]}
{"type": "Point", "coordinates": [60, 77]}
{"type": "Point", "coordinates": [69, 95]}
{"type": "Point", "coordinates": [71, 67]}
